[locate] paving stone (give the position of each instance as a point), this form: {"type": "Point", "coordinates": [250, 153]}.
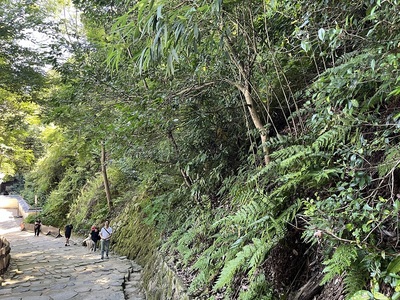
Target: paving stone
{"type": "Point", "coordinates": [20, 289]}
{"type": "Point", "coordinates": [26, 284]}
{"type": "Point", "coordinates": [38, 288]}
{"type": "Point", "coordinates": [58, 286]}
{"type": "Point", "coordinates": [83, 289]}
{"type": "Point", "coordinates": [36, 298]}
{"type": "Point", "coordinates": [63, 295]}
{"type": "Point", "coordinates": [6, 291]}
{"type": "Point", "coordinates": [42, 268]}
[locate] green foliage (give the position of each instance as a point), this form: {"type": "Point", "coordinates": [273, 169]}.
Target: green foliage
{"type": "Point", "coordinates": [87, 208]}
{"type": "Point", "coordinates": [57, 179]}
{"type": "Point", "coordinates": [257, 289]}
{"type": "Point", "coordinates": [161, 84]}
{"type": "Point", "coordinates": [362, 295]}
{"type": "Point", "coordinates": [250, 257]}
{"type": "Point", "coordinates": [32, 218]}
{"type": "Point", "coordinates": [60, 199]}
{"type": "Point", "coordinates": [341, 260]}
{"type": "Point", "coordinates": [390, 163]}
{"type": "Point", "coordinates": [19, 146]}
{"type": "Point", "coordinates": [19, 64]}
{"type": "Point", "coordinates": [356, 277]}
{"type": "Point", "coordinates": [48, 171]}
{"type": "Point", "coordinates": [382, 274]}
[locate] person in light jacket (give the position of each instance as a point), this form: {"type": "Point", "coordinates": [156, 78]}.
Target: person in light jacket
{"type": "Point", "coordinates": [105, 236]}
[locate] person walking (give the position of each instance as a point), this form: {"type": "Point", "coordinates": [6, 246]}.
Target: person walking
{"type": "Point", "coordinates": [105, 236]}
{"type": "Point", "coordinates": [68, 232]}
{"type": "Point", "coordinates": [95, 236]}
{"type": "Point", "coordinates": [38, 224]}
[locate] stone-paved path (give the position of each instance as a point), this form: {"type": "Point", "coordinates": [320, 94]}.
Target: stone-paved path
{"type": "Point", "coordinates": [43, 268]}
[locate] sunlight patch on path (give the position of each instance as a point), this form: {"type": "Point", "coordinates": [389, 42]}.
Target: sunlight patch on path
{"type": "Point", "coordinates": [8, 223]}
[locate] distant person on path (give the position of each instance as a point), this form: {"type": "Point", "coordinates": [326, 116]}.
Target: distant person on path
{"type": "Point", "coordinates": [105, 235]}
{"type": "Point", "coordinates": [68, 231]}
{"type": "Point", "coordinates": [37, 226]}
{"type": "Point", "coordinates": [95, 236]}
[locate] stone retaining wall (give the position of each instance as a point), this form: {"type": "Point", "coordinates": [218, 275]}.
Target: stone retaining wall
{"type": "Point", "coordinates": [44, 229]}
{"type": "Point", "coordinates": [161, 282]}
{"type": "Point", "coordinates": [15, 201]}
{"type": "Point", "coordinates": [4, 255]}
{"type": "Point", "coordinates": [24, 210]}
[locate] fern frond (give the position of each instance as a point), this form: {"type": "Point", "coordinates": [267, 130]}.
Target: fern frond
{"type": "Point", "coordinates": [258, 289]}
{"type": "Point", "coordinates": [246, 214]}
{"type": "Point", "coordinates": [276, 226]}
{"type": "Point", "coordinates": [330, 139]}
{"type": "Point", "coordinates": [233, 266]}
{"type": "Point", "coordinates": [199, 282]}
{"type": "Point", "coordinates": [323, 175]}
{"type": "Point", "coordinates": [390, 162]}
{"type": "Point", "coordinates": [356, 278]}
{"type": "Point", "coordinates": [340, 261]}
{"type": "Point", "coordinates": [249, 258]}
{"type": "Point", "coordinates": [280, 141]}
{"type": "Point", "coordinates": [208, 265]}
{"type": "Point", "coordinates": [261, 249]}
{"type": "Point", "coordinates": [173, 239]}
{"type": "Point", "coordinates": [269, 169]}
{"type": "Point", "coordinates": [282, 161]}
{"type": "Point", "coordinates": [288, 152]}
{"type": "Point", "coordinates": [348, 56]}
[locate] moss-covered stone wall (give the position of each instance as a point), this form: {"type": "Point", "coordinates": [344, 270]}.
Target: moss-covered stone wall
{"type": "Point", "coordinates": [132, 237]}
{"type": "Point", "coordinates": [161, 282]}
{"type": "Point", "coordinates": [138, 241]}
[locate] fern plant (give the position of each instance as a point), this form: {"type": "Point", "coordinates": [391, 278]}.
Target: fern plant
{"type": "Point", "coordinates": [208, 264]}
{"type": "Point", "coordinates": [248, 260]}
{"type": "Point", "coordinates": [356, 276]}
{"type": "Point", "coordinates": [258, 288]}
{"type": "Point", "coordinates": [343, 257]}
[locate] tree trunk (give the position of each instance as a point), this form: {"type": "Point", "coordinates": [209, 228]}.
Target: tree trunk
{"type": "Point", "coordinates": [257, 122]}
{"type": "Point", "coordinates": [245, 90]}
{"type": "Point", "coordinates": [186, 177]}
{"type": "Point", "coordinates": [105, 178]}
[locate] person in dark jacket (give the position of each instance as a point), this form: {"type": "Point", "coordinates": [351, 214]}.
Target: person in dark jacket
{"type": "Point", "coordinates": [38, 224]}
{"type": "Point", "coordinates": [68, 232]}
{"type": "Point", "coordinates": [94, 234]}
